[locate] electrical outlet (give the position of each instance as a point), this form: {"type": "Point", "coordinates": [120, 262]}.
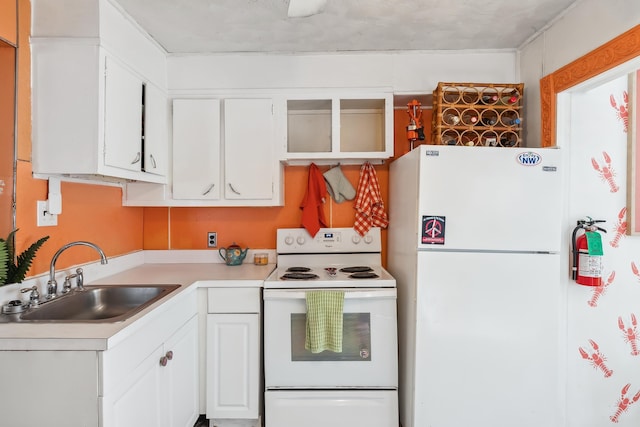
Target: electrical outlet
{"type": "Point", "coordinates": [212, 239]}
{"type": "Point", "coordinates": [44, 218]}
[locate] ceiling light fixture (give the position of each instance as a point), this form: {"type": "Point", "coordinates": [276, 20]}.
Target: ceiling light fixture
{"type": "Point", "coordinates": [304, 8]}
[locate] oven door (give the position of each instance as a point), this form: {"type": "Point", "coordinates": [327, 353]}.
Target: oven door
{"type": "Point", "coordinates": [369, 347]}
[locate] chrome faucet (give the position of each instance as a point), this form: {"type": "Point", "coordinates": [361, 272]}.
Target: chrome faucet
{"type": "Point", "coordinates": [52, 285]}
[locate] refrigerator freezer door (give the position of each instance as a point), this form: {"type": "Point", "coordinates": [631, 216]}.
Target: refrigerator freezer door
{"type": "Point", "coordinates": [484, 198]}
{"type": "Point", "coordinates": [487, 340]}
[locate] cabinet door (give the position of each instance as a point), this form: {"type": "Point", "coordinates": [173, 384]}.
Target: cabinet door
{"type": "Point", "coordinates": [181, 384]}
{"type": "Point", "coordinates": [122, 117]}
{"type": "Point", "coordinates": [142, 402]}
{"type": "Point", "coordinates": [249, 149]}
{"type": "Point", "coordinates": [196, 149]}
{"type": "Point", "coordinates": [233, 363]}
{"type": "Point", "coordinates": [156, 118]}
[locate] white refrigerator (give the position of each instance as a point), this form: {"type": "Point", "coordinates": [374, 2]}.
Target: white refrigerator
{"type": "Point", "coordinates": [473, 243]}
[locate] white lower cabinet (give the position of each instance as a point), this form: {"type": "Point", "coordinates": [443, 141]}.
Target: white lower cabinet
{"type": "Point", "coordinates": [128, 385]}
{"type": "Point", "coordinates": [233, 356]}
{"type": "Point", "coordinates": [163, 389]}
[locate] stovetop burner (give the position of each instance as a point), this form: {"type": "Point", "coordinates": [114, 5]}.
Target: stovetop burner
{"type": "Point", "coordinates": [364, 275]}
{"type": "Point", "coordinates": [298, 269]}
{"type": "Point", "coordinates": [299, 276]}
{"type": "Point", "coordinates": [333, 258]}
{"type": "Point", "coordinates": [357, 269]}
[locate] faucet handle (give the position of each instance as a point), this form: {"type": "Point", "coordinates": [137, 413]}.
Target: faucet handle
{"type": "Point", "coordinates": [66, 287]}
{"type": "Point", "coordinates": [52, 289]}
{"type": "Point", "coordinates": [79, 279]}
{"type": "Point", "coordinates": [34, 296]}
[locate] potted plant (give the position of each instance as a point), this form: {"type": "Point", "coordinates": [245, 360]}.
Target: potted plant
{"type": "Point", "coordinates": [14, 269]}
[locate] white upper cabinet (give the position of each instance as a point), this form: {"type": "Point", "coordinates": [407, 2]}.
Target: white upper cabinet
{"type": "Point", "coordinates": [196, 149]}
{"type": "Point", "coordinates": [99, 94]}
{"type": "Point", "coordinates": [156, 131]}
{"type": "Point", "coordinates": [122, 118]}
{"type": "Point", "coordinates": [336, 127]}
{"type": "Point", "coordinates": [224, 154]}
{"type": "Point", "coordinates": [249, 149]}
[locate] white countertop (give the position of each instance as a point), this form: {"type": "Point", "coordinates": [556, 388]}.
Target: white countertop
{"type": "Point", "coordinates": [102, 336]}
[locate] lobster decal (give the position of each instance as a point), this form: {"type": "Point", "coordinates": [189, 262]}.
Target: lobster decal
{"type": "Point", "coordinates": [630, 333]}
{"type": "Point", "coordinates": [598, 291]}
{"type": "Point", "coordinates": [606, 172]}
{"type": "Point", "coordinates": [597, 359]}
{"type": "Point", "coordinates": [624, 402]}
{"type": "Point", "coordinates": [622, 112]}
{"type": "Point", "coordinates": [621, 228]}
{"type": "Point", "coordinates": [634, 269]}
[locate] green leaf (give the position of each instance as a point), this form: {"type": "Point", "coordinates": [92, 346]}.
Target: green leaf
{"type": "Point", "coordinates": [11, 249]}
{"type": "Point", "coordinates": [4, 261]}
{"type": "Point", "coordinates": [17, 272]}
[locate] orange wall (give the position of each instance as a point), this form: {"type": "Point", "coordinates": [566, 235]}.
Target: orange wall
{"type": "Point", "coordinates": [7, 132]}
{"type": "Point", "coordinates": [8, 20]}
{"type": "Point", "coordinates": [94, 213]}
{"type": "Point", "coordinates": [186, 228]}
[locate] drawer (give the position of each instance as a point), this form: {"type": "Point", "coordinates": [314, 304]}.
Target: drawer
{"type": "Point", "coordinates": [234, 300]}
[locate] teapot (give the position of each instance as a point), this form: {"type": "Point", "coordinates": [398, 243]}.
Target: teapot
{"type": "Point", "coordinates": [233, 255]}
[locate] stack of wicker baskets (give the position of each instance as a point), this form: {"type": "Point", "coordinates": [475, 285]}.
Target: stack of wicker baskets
{"type": "Point", "coordinates": [484, 114]}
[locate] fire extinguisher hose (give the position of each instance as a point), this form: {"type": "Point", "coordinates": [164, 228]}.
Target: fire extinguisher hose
{"type": "Point", "coordinates": [574, 250]}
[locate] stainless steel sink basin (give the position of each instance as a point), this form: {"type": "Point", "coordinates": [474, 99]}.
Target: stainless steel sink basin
{"type": "Point", "coordinates": [108, 303]}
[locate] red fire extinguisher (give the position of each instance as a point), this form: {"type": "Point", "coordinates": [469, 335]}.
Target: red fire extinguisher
{"type": "Point", "coordinates": [587, 253]}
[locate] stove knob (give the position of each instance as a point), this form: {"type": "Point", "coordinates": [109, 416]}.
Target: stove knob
{"type": "Point", "coordinates": [368, 239]}
{"type": "Point", "coordinates": [355, 239]}
{"type": "Point", "coordinates": [288, 240]}
{"type": "Point", "coordinates": [301, 240]}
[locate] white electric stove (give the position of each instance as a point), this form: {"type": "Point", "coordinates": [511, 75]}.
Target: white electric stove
{"type": "Point", "coordinates": [357, 386]}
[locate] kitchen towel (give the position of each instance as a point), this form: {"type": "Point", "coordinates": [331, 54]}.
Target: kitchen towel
{"type": "Point", "coordinates": [369, 205]}
{"type": "Point", "coordinates": [338, 186]}
{"type": "Point", "coordinates": [312, 204]}
{"type": "Point", "coordinates": [324, 321]}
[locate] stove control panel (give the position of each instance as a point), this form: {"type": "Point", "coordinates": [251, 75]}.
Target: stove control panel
{"type": "Point", "coordinates": [327, 240]}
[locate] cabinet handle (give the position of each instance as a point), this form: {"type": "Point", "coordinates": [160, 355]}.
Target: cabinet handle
{"type": "Point", "coordinates": [169, 355]}
{"type": "Point", "coordinates": [153, 161]}
{"type": "Point", "coordinates": [137, 159]}
{"type": "Point", "coordinates": [163, 361]}
{"type": "Point", "coordinates": [208, 189]}
{"type": "Point", "coordinates": [233, 189]}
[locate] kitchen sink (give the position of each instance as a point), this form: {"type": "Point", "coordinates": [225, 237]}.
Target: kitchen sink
{"type": "Point", "coordinates": [95, 304]}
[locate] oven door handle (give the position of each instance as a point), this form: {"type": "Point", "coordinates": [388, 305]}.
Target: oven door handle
{"type": "Point", "coordinates": [380, 293]}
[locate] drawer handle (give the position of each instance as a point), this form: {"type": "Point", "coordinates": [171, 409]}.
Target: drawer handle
{"type": "Point", "coordinates": [169, 355]}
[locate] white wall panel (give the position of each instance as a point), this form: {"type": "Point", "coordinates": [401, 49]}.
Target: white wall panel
{"type": "Point", "coordinates": [400, 72]}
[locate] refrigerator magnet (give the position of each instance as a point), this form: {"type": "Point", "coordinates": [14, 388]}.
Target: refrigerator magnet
{"type": "Point", "coordinates": [433, 229]}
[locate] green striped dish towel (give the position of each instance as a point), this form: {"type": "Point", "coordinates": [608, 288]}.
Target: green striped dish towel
{"type": "Point", "coordinates": [324, 321]}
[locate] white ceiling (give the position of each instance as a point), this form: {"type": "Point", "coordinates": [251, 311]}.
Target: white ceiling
{"type": "Point", "coordinates": [224, 26]}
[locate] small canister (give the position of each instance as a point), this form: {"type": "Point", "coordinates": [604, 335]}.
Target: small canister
{"type": "Point", "coordinates": [261, 259]}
